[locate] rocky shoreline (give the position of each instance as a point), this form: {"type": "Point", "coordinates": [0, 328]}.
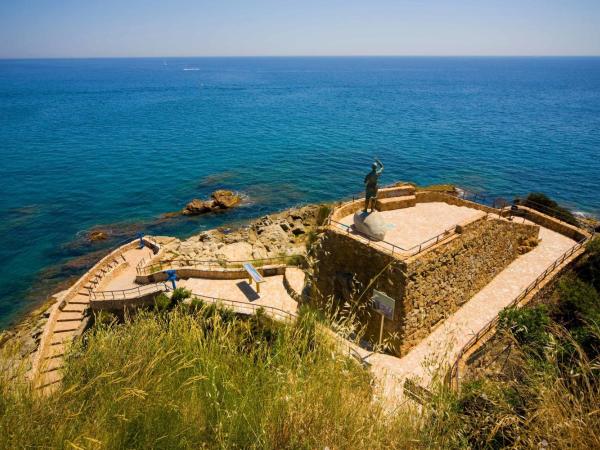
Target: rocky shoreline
{"type": "Point", "coordinates": [274, 235]}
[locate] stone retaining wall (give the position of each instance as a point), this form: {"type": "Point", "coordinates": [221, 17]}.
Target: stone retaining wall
{"type": "Point", "coordinates": [441, 279]}
{"type": "Point", "coordinates": [211, 274]}
{"type": "Point", "coordinates": [427, 287]}
{"type": "Point", "coordinates": [433, 196]}
{"type": "Point", "coordinates": [552, 223]}
{"type": "Point", "coordinates": [122, 304]}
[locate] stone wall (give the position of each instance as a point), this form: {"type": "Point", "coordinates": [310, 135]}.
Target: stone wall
{"type": "Point", "coordinates": [427, 287]}
{"type": "Point", "coordinates": [210, 273]}
{"type": "Point", "coordinates": [441, 279]}
{"type": "Point", "coordinates": [434, 196]}
{"type": "Point", "coordinates": [552, 223]}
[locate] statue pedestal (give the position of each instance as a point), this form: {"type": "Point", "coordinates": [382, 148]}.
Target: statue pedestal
{"type": "Point", "coordinates": [370, 224]}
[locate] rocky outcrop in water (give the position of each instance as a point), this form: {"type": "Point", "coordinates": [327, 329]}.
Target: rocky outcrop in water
{"type": "Point", "coordinates": [221, 199]}
{"type": "Point", "coordinates": [225, 199]}
{"type": "Point", "coordinates": [196, 207]}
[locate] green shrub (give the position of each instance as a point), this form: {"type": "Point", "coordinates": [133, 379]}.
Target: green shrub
{"type": "Point", "coordinates": [544, 204]}
{"type": "Point", "coordinates": [589, 267]}
{"type": "Point", "coordinates": [527, 325]}
{"type": "Point", "coordinates": [180, 294]}
{"type": "Point", "coordinates": [162, 302]}
{"type": "Point", "coordinates": [322, 214]}
{"type": "Point", "coordinates": [104, 318]}
{"type": "Point", "coordinates": [578, 309]}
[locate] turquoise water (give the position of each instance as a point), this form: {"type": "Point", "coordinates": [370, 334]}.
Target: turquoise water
{"type": "Point", "coordinates": [92, 142]}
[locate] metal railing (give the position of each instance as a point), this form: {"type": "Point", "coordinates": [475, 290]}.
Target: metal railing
{"type": "Point", "coordinates": [396, 249]}
{"type": "Point", "coordinates": [275, 313]}
{"type": "Point", "coordinates": [209, 264]}
{"type": "Point", "coordinates": [454, 370]}
{"type": "Point", "coordinates": [128, 294]}
{"type": "Point", "coordinates": [245, 307]}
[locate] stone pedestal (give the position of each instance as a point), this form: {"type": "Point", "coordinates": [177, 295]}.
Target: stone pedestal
{"type": "Point", "coordinates": [370, 224]}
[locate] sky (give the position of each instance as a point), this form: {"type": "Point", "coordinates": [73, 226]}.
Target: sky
{"type": "Point", "coordinates": [122, 28]}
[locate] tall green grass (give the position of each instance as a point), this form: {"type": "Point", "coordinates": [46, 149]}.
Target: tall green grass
{"type": "Point", "coordinates": [203, 379]}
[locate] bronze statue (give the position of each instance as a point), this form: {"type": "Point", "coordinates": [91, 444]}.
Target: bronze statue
{"type": "Point", "coordinates": [371, 187]}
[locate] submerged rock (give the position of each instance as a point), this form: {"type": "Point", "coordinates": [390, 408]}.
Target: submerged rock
{"type": "Point", "coordinates": [97, 235]}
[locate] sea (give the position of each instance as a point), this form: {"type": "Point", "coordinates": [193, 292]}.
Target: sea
{"type": "Point", "coordinates": [113, 144]}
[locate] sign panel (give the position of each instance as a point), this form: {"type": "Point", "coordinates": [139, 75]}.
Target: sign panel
{"type": "Point", "coordinates": [383, 304]}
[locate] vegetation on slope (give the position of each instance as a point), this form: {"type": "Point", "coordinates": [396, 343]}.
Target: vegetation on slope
{"type": "Point", "coordinates": [547, 391]}
{"type": "Point", "coordinates": [202, 377]}
{"type": "Point", "coordinates": [541, 202]}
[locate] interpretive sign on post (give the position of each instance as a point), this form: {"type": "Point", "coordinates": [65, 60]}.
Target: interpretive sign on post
{"type": "Point", "coordinates": [384, 305]}
{"type": "Point", "coordinates": [172, 277]}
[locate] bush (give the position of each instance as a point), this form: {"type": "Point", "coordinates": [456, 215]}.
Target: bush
{"type": "Point", "coordinates": [578, 309]}
{"type": "Point", "coordinates": [180, 294]}
{"type": "Point", "coordinates": [104, 318]}
{"type": "Point", "coordinates": [589, 268]}
{"type": "Point", "coordinates": [162, 302]}
{"type": "Point", "coordinates": [162, 382]}
{"type": "Point", "coordinates": [544, 204]}
{"type": "Point", "coordinates": [322, 214]}
{"type": "Point", "coordinates": [527, 325]}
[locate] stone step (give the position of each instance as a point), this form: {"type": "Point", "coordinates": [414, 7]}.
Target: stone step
{"type": "Point", "coordinates": [50, 364]}
{"type": "Point", "coordinates": [80, 299]}
{"type": "Point", "coordinates": [396, 191]}
{"type": "Point", "coordinates": [67, 325]}
{"type": "Point", "coordinates": [69, 315]}
{"type": "Point", "coordinates": [55, 351]}
{"type": "Point", "coordinates": [388, 204]}
{"type": "Point", "coordinates": [63, 337]}
{"type": "Point", "coordinates": [84, 293]}
{"type": "Point", "coordinates": [51, 377]}
{"type": "Point", "coordinates": [75, 307]}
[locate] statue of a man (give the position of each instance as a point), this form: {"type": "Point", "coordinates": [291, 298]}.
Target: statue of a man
{"type": "Point", "coordinates": [371, 187]}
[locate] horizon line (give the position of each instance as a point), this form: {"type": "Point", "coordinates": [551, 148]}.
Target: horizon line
{"type": "Point", "coordinates": [25, 58]}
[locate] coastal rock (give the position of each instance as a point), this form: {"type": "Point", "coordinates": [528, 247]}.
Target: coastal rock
{"type": "Point", "coordinates": [238, 251]}
{"type": "Point", "coordinates": [196, 207]}
{"type": "Point", "coordinates": [225, 199]}
{"type": "Point", "coordinates": [273, 237]}
{"type": "Point", "coordinates": [370, 224]}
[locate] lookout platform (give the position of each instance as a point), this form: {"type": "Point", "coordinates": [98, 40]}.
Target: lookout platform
{"type": "Point", "coordinates": [408, 227]}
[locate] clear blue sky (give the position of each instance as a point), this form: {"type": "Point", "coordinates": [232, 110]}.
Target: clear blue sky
{"type": "Point", "coordinates": [95, 28]}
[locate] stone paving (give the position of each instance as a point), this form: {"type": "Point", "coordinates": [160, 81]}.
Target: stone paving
{"type": "Point", "coordinates": [409, 227]}
{"type": "Point", "coordinates": [440, 349]}
{"type": "Point", "coordinates": [272, 292]}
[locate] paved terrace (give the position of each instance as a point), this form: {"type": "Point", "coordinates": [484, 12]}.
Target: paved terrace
{"type": "Point", "coordinates": [441, 348]}
{"type": "Point", "coordinates": [272, 291]}
{"type": "Point", "coordinates": [409, 227]}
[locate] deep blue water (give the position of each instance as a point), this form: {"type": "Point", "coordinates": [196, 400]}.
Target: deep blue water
{"type": "Point", "coordinates": [92, 142]}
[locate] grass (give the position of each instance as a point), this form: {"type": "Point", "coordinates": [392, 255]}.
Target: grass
{"type": "Point", "coordinates": [206, 378]}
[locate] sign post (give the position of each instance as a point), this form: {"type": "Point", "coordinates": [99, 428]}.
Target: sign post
{"type": "Point", "coordinates": [172, 277]}
{"type": "Point", "coordinates": [384, 305]}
